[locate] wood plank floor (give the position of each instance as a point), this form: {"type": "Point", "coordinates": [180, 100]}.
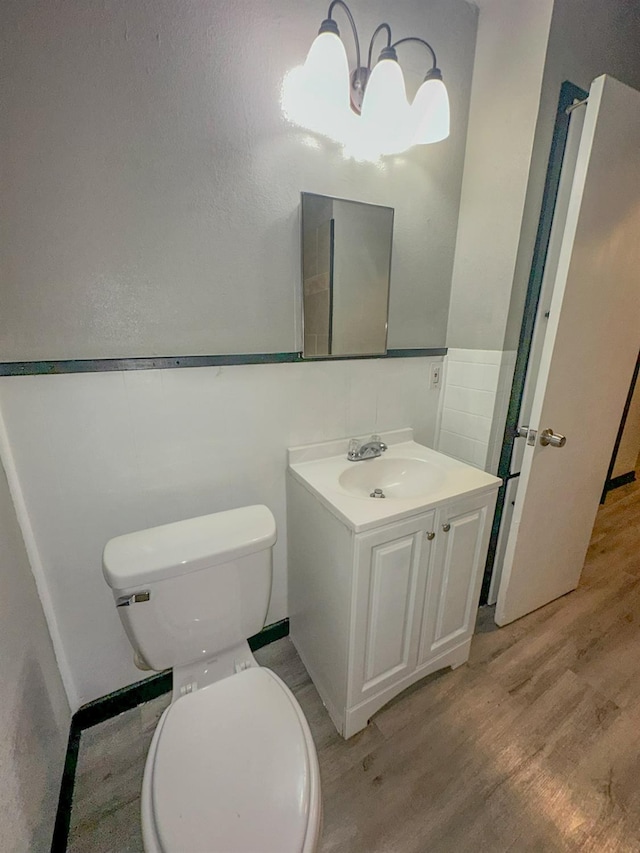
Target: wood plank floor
{"type": "Point", "coordinates": [532, 746]}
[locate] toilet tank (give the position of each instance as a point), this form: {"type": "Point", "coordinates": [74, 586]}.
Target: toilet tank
{"type": "Point", "coordinates": [188, 590]}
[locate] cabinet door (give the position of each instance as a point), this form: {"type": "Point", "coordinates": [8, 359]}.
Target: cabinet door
{"type": "Point", "coordinates": [390, 575]}
{"type": "Point", "coordinates": [453, 589]}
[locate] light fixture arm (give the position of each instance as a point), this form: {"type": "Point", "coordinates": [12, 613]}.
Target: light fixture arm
{"type": "Point", "coordinates": [420, 41]}
{"type": "Point", "coordinates": [378, 29]}
{"type": "Point", "coordinates": [347, 12]}
{"type": "Point", "coordinates": [360, 75]}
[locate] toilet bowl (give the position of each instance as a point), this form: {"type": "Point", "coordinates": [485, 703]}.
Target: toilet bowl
{"type": "Point", "coordinates": [232, 767]}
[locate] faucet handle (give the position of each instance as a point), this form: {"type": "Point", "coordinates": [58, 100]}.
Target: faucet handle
{"type": "Point", "coordinates": [377, 438]}
{"type": "Point", "coordinates": [354, 447]}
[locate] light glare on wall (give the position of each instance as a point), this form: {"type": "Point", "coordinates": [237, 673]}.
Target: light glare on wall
{"type": "Point", "coordinates": [366, 111]}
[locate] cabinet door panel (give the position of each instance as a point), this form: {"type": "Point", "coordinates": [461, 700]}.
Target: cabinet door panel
{"type": "Point", "coordinates": [390, 591]}
{"type": "Point", "coordinates": [454, 585]}
{"type": "Point", "coordinates": [460, 563]}
{"type": "Point", "coordinates": [389, 581]}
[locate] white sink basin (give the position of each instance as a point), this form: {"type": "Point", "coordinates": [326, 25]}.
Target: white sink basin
{"type": "Point", "coordinates": [399, 477]}
{"type": "Point", "coordinates": [413, 478]}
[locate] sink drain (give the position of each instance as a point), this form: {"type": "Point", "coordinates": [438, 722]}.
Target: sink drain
{"type": "Point", "coordinates": [377, 493]}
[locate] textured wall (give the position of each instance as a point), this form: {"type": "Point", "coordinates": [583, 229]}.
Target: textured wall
{"type": "Point", "coordinates": [103, 454]}
{"type": "Point", "coordinates": [34, 714]}
{"type": "Point", "coordinates": [150, 190]}
{"type": "Point", "coordinates": [151, 184]}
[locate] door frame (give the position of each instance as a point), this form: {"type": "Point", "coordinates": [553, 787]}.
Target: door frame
{"type": "Point", "coordinates": [569, 95]}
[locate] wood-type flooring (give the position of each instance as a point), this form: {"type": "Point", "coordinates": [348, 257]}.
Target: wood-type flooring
{"type": "Point", "coordinates": [532, 747]}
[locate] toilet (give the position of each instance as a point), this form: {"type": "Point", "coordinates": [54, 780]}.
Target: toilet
{"type": "Point", "coordinates": [232, 767]}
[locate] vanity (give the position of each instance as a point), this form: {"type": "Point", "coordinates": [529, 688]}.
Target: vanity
{"type": "Point", "coordinates": [382, 590]}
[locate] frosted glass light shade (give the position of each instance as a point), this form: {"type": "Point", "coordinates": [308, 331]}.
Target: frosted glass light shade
{"type": "Point", "coordinates": [317, 95]}
{"type": "Point", "coordinates": [430, 112]}
{"type": "Point", "coordinates": [385, 110]}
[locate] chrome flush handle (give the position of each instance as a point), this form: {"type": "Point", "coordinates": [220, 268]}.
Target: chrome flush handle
{"type": "Point", "coordinates": [135, 598]}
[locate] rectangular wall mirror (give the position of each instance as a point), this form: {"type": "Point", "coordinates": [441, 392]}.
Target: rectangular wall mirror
{"type": "Point", "coordinates": [346, 267]}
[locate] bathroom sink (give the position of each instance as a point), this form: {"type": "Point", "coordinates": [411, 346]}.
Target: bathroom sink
{"type": "Point", "coordinates": [413, 478]}
{"type": "Point", "coordinates": [398, 477]}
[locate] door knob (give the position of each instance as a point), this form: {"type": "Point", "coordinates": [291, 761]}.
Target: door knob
{"type": "Point", "coordinates": [548, 436]}
{"type": "Point", "coordinates": [430, 535]}
{"type": "Point", "coordinates": [446, 527]}
{"type": "Point", "coordinates": [529, 434]}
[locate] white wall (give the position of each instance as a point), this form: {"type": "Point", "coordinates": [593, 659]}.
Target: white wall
{"type": "Point", "coordinates": [103, 454]}
{"type": "Point", "coordinates": [525, 51]}
{"type": "Point", "coordinates": [507, 79]}
{"type": "Point", "coordinates": [34, 714]}
{"type": "Point", "coordinates": [151, 207]}
{"type": "Point", "coordinates": [587, 38]}
{"type": "Point", "coordinates": [476, 389]}
{"type": "Point", "coordinates": [152, 183]}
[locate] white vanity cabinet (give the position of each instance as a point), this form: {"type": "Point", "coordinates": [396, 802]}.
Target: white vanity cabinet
{"type": "Point", "coordinates": [372, 612]}
{"type": "Point", "coordinates": [416, 590]}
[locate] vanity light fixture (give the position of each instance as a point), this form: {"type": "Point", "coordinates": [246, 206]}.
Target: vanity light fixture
{"type": "Point", "coordinates": [366, 110]}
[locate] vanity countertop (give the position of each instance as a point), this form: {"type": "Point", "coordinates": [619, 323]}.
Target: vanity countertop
{"type": "Point", "coordinates": [320, 468]}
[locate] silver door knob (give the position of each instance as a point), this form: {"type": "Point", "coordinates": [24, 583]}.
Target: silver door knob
{"type": "Point", "coordinates": [549, 437]}
{"type": "Point", "coordinates": [446, 527]}
{"type": "Point", "coordinates": [430, 535]}
{"type": "Point", "coordinates": [529, 434]}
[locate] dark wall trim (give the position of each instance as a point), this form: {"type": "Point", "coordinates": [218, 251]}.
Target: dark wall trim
{"type": "Point", "coordinates": [621, 480]}
{"type": "Point", "coordinates": [273, 632]}
{"type": "Point", "coordinates": [63, 815]}
{"type": "Point", "coordinates": [414, 353]}
{"type": "Point", "coordinates": [99, 365]}
{"type": "Point", "coordinates": [123, 700]}
{"type": "Point", "coordinates": [116, 703]}
{"type": "Point", "coordinates": [568, 94]}
{"type": "Point", "coordinates": [613, 482]}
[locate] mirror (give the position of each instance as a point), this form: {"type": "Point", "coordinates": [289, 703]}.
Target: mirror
{"type": "Point", "coordinates": [346, 266]}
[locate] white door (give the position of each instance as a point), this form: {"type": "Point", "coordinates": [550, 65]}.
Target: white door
{"type": "Point", "coordinates": [587, 360]}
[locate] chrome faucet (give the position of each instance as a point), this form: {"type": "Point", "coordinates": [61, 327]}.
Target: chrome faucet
{"type": "Point", "coordinates": [368, 450]}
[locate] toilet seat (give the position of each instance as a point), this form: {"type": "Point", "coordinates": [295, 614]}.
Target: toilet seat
{"type": "Point", "coordinates": [232, 769]}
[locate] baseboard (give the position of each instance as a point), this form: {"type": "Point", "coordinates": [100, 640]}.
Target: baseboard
{"type": "Point", "coordinates": [621, 480]}
{"type": "Point", "coordinates": [117, 703]}
{"type": "Point", "coordinates": [269, 634]}
{"type": "Point", "coordinates": [123, 700]}
{"type": "Point", "coordinates": [63, 814]}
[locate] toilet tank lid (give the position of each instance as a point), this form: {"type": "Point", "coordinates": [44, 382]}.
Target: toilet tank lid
{"type": "Point", "coordinates": [187, 546]}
